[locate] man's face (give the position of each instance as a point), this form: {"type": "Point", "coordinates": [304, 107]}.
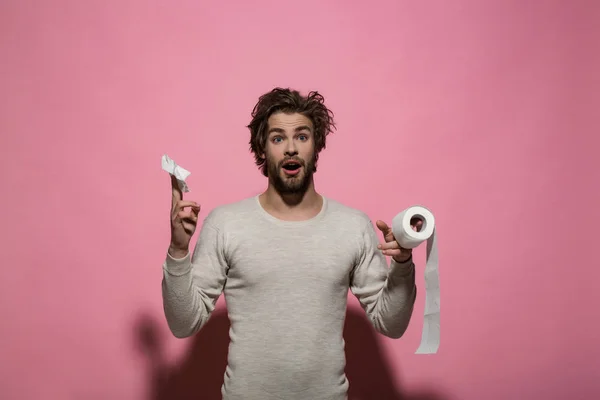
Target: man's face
{"type": "Point", "coordinates": [290, 156]}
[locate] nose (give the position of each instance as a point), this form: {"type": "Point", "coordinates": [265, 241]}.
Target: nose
{"type": "Point", "coordinates": [291, 150]}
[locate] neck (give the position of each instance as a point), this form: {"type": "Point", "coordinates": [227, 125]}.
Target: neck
{"type": "Point", "coordinates": [292, 206]}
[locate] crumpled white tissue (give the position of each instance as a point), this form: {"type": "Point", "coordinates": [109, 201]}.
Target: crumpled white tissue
{"type": "Point", "coordinates": [177, 171]}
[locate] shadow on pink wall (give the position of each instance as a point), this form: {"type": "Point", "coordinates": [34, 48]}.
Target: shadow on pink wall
{"type": "Point", "coordinates": [200, 374]}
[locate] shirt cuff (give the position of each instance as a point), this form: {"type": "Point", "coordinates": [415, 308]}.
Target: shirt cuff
{"type": "Point", "coordinates": [177, 266]}
{"type": "Point", "coordinates": [403, 269]}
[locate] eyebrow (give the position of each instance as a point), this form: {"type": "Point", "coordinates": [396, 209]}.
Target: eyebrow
{"type": "Point", "coordinates": [298, 129]}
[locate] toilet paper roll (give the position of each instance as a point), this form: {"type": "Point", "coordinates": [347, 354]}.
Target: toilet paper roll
{"type": "Point", "coordinates": [409, 239]}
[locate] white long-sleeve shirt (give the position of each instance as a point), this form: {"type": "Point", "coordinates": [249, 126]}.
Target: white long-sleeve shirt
{"type": "Point", "coordinates": [286, 285]}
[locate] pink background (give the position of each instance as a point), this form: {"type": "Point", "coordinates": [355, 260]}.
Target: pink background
{"type": "Point", "coordinates": [484, 111]}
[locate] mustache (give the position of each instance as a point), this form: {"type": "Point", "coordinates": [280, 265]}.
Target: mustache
{"type": "Point", "coordinates": [294, 159]}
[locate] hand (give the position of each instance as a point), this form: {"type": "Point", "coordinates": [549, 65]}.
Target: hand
{"type": "Point", "coordinates": [391, 247]}
{"type": "Point", "coordinates": [183, 222]}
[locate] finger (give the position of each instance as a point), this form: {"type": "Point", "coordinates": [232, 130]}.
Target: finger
{"type": "Point", "coordinates": [388, 235]}
{"type": "Point", "coordinates": [189, 227]}
{"type": "Point", "coordinates": [389, 245]}
{"type": "Point", "coordinates": [179, 212]}
{"type": "Point", "coordinates": [184, 204]}
{"type": "Point", "coordinates": [177, 194]}
{"type": "Point", "coordinates": [416, 223]}
{"type": "Point", "coordinates": [392, 253]}
{"type": "Point", "coordinates": [188, 216]}
{"type": "Point", "coordinates": [196, 210]}
{"type": "Point", "coordinates": [383, 227]}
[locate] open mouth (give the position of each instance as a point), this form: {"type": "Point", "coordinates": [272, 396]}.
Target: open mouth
{"type": "Point", "coordinates": [291, 167]}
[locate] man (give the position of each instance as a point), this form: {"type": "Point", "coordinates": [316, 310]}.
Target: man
{"type": "Point", "coordinates": [285, 260]}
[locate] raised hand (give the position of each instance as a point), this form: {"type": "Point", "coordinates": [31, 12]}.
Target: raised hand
{"type": "Point", "coordinates": [184, 218]}
{"type": "Point", "coordinates": [391, 247]}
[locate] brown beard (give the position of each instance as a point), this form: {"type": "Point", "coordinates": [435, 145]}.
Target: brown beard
{"type": "Point", "coordinates": [292, 185]}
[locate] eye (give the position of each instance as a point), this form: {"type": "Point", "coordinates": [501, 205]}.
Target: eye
{"type": "Point", "coordinates": [303, 137]}
{"type": "Point", "coordinates": [276, 139]}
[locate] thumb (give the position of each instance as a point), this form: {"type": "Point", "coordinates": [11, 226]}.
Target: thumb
{"type": "Point", "coordinates": [383, 227]}
{"type": "Point", "coordinates": [388, 235]}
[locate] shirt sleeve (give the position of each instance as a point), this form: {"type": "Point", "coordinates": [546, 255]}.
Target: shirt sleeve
{"type": "Point", "coordinates": [386, 294]}
{"type": "Point", "coordinates": [192, 285]}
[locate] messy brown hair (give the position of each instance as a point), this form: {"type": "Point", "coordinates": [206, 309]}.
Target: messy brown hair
{"type": "Point", "coordinates": [311, 106]}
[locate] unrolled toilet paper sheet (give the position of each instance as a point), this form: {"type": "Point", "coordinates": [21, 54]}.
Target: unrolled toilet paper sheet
{"type": "Point", "coordinates": [177, 171]}
{"type": "Point", "coordinates": [409, 239]}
